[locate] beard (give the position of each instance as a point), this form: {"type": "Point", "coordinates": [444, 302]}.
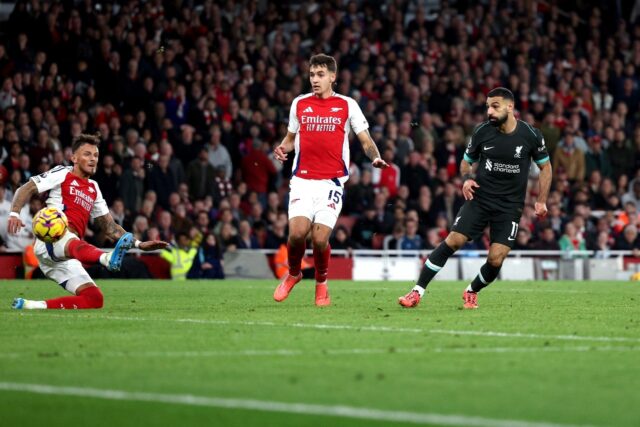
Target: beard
{"type": "Point", "coordinates": [497, 122]}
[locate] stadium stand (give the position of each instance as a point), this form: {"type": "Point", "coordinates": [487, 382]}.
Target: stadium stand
{"type": "Point", "coordinates": [184, 92]}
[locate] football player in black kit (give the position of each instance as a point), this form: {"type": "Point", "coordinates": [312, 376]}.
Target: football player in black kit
{"type": "Point", "coordinates": [502, 147]}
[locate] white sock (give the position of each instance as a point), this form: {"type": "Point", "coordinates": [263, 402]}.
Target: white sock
{"type": "Point", "coordinates": [469, 288]}
{"type": "Point", "coordinates": [420, 290]}
{"type": "Point", "coordinates": [104, 259]}
{"type": "Point", "coordinates": [34, 305]}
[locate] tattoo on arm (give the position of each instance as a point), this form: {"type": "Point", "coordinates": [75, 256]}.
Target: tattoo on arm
{"type": "Point", "coordinates": [112, 230]}
{"type": "Point", "coordinates": [23, 195]}
{"type": "Point", "coordinates": [369, 146]}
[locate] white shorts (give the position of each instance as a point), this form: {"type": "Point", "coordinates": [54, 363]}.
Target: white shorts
{"type": "Point", "coordinates": [67, 272]}
{"type": "Point", "coordinates": [320, 200]}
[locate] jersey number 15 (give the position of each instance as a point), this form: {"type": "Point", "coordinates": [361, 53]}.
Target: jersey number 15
{"type": "Point", "coordinates": [335, 195]}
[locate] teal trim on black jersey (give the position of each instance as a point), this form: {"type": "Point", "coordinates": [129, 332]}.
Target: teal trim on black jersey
{"type": "Point", "coordinates": [543, 160]}
{"type": "Point", "coordinates": [530, 128]}
{"type": "Point", "coordinates": [469, 159]}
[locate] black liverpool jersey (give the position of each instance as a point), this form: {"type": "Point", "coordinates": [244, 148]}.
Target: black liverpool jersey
{"type": "Point", "coordinates": [504, 161]}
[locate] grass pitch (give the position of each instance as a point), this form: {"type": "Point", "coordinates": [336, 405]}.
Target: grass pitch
{"type": "Point", "coordinates": [224, 353]}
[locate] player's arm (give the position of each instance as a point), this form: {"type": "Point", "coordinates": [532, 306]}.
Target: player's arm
{"type": "Point", "coordinates": [288, 143]}
{"type": "Point", "coordinates": [544, 186]}
{"type": "Point", "coordinates": [113, 231]}
{"type": "Point", "coordinates": [471, 156]}
{"type": "Point", "coordinates": [371, 150]}
{"type": "Point", "coordinates": [110, 228]}
{"type": "Point", "coordinates": [286, 146]}
{"type": "Point", "coordinates": [23, 194]}
{"type": "Point", "coordinates": [541, 158]}
{"type": "Point", "coordinates": [468, 177]}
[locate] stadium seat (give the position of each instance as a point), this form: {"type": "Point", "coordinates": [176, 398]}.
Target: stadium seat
{"type": "Point", "coordinates": [347, 222]}
{"type": "Point", "coordinates": [377, 241]}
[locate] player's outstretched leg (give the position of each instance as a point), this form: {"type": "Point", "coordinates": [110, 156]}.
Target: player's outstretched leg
{"type": "Point", "coordinates": [87, 297]}
{"type": "Point", "coordinates": [86, 253]}
{"type": "Point", "coordinates": [434, 263]}
{"type": "Point", "coordinates": [113, 259]}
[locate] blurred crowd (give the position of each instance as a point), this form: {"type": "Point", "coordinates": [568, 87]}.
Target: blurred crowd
{"type": "Point", "coordinates": [191, 97]}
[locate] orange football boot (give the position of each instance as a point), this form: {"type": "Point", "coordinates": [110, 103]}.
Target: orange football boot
{"type": "Point", "coordinates": [322, 295]}
{"type": "Point", "coordinates": [284, 288]}
{"type": "Point", "coordinates": [410, 300]}
{"type": "Point", "coordinates": [470, 299]}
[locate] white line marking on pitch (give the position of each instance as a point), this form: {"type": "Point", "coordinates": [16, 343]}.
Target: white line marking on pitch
{"type": "Point", "coordinates": [272, 406]}
{"type": "Point", "coordinates": [392, 329]}
{"type": "Point", "coordinates": [329, 352]}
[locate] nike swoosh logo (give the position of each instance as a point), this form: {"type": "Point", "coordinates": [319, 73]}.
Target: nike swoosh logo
{"type": "Point", "coordinates": [487, 148]}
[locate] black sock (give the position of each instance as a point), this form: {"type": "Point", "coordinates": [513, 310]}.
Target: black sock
{"type": "Point", "coordinates": [436, 260]}
{"type": "Point", "coordinates": [488, 273]}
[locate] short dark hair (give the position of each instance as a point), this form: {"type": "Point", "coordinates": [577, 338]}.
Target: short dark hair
{"type": "Point", "coordinates": [322, 60]}
{"type": "Point", "coordinates": [180, 234]}
{"type": "Point", "coordinates": [85, 138]}
{"type": "Point", "coordinates": [502, 92]}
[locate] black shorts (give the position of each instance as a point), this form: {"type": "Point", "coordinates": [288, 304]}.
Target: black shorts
{"type": "Point", "coordinates": [474, 216]}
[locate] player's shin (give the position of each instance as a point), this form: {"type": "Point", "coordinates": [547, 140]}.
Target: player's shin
{"type": "Point", "coordinates": [90, 297]}
{"type": "Point", "coordinates": [321, 262]}
{"type": "Point", "coordinates": [488, 273]}
{"type": "Point", "coordinates": [296, 250]}
{"type": "Point", "coordinates": [84, 252]}
{"type": "Point", "coordinates": [436, 260]}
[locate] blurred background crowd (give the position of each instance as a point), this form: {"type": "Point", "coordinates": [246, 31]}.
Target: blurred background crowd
{"type": "Point", "coordinates": [191, 97]}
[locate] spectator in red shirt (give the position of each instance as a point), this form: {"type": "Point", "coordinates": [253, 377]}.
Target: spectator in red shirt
{"type": "Point", "coordinates": [257, 170]}
{"type": "Point", "coordinates": [388, 178]}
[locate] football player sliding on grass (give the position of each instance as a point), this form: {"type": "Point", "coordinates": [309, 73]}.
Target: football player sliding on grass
{"type": "Point", "coordinates": [71, 191]}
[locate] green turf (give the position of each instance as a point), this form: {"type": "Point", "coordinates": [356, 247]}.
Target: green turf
{"type": "Point", "coordinates": [197, 338]}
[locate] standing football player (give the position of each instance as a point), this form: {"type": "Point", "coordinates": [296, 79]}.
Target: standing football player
{"type": "Point", "coordinates": [71, 191]}
{"type": "Point", "coordinates": [319, 126]}
{"type": "Point", "coordinates": [503, 148]}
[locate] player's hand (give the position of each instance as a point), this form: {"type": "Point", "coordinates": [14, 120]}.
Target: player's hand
{"type": "Point", "coordinates": [279, 154]}
{"type": "Point", "coordinates": [14, 225]}
{"type": "Point", "coordinates": [468, 188]}
{"type": "Point", "coordinates": [152, 245]}
{"type": "Point", "coordinates": [379, 163]}
{"type": "Point", "coordinates": [541, 209]}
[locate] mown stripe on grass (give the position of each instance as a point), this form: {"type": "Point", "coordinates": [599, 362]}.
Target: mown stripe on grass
{"type": "Point", "coordinates": [392, 329]}
{"type": "Point", "coordinates": [320, 352]}
{"type": "Point", "coordinates": [272, 406]}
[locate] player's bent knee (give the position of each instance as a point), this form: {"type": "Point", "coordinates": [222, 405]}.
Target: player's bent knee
{"type": "Point", "coordinates": [456, 240]}
{"type": "Point", "coordinates": [319, 242]}
{"type": "Point", "coordinates": [495, 260]}
{"type": "Point", "coordinates": [297, 237]}
{"type": "Point", "coordinates": [93, 296]}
